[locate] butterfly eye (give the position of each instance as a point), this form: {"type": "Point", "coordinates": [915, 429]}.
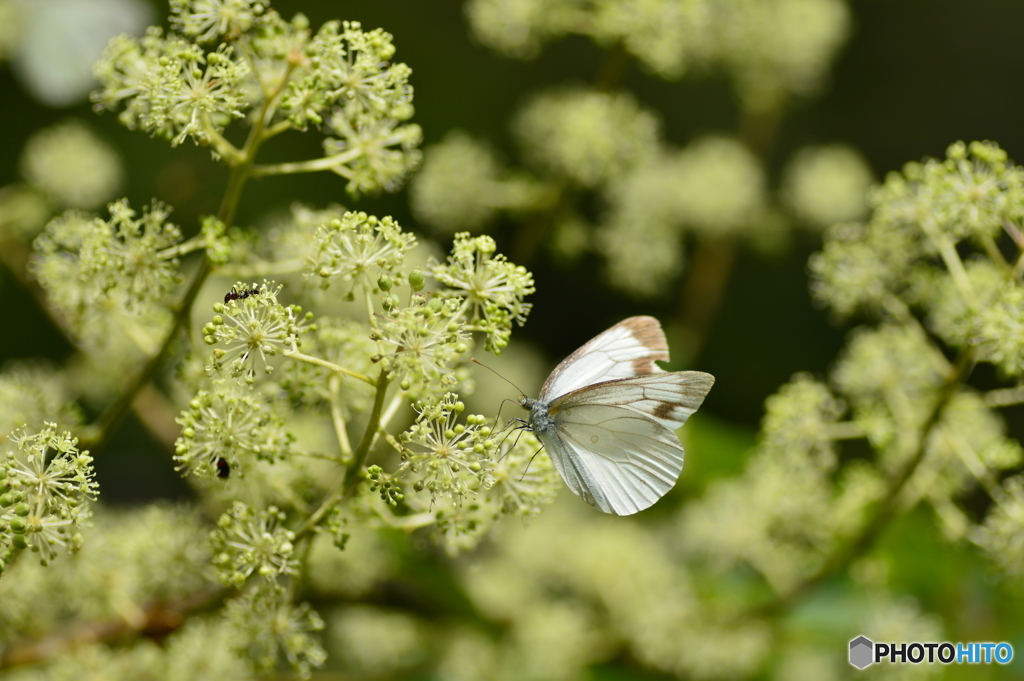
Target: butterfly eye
{"type": "Point", "coordinates": [223, 468]}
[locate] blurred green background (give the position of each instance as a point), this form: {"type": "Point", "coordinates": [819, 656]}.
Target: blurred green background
{"type": "Point", "coordinates": [913, 77]}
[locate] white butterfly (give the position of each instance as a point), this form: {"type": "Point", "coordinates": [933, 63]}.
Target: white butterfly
{"type": "Point", "coordinates": [607, 416]}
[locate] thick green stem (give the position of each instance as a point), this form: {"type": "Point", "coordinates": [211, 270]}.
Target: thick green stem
{"type": "Point", "coordinates": [99, 433]}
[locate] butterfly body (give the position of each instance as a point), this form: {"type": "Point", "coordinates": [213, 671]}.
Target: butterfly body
{"type": "Point", "coordinates": [607, 417]}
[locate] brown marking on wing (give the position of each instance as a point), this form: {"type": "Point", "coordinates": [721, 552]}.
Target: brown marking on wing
{"type": "Point", "coordinates": [648, 331]}
{"type": "Point", "coordinates": [664, 410]}
{"type": "Point", "coordinates": [645, 330]}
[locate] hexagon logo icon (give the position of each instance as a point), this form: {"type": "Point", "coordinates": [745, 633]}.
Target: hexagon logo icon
{"type": "Point", "coordinates": [861, 652]}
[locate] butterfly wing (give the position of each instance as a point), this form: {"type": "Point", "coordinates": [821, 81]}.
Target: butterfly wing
{"type": "Point", "coordinates": [615, 444]}
{"type": "Point", "coordinates": [630, 348]}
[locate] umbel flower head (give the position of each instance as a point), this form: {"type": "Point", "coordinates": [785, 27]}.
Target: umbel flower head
{"type": "Point", "coordinates": [490, 288]}
{"type": "Point", "coordinates": [171, 87]}
{"type": "Point", "coordinates": [45, 486]}
{"type": "Point", "coordinates": [444, 457]}
{"type": "Point", "coordinates": [272, 627]}
{"type": "Point", "coordinates": [228, 424]}
{"type": "Point", "coordinates": [422, 341]}
{"type": "Point", "coordinates": [85, 262]}
{"type": "Point", "coordinates": [248, 542]}
{"type": "Point", "coordinates": [237, 58]}
{"type": "Point", "coordinates": [359, 249]}
{"type": "Point", "coordinates": [252, 326]}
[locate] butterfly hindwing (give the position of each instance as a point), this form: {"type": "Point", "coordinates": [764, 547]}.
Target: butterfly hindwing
{"type": "Point", "coordinates": [621, 460]}
{"type": "Point", "coordinates": [667, 397]}
{"type": "Point", "coordinates": [630, 348]}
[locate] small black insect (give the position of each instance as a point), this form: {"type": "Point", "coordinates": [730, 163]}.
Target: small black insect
{"type": "Point", "coordinates": [234, 294]}
{"type": "Point", "coordinates": [223, 467]}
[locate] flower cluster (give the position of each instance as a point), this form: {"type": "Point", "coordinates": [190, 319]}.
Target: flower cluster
{"type": "Point", "coordinates": [72, 165]}
{"type": "Point", "coordinates": [443, 457]}
{"type": "Point", "coordinates": [272, 628]}
{"type": "Point", "coordinates": [131, 560]}
{"type": "Point", "coordinates": [232, 57]}
{"type": "Point", "coordinates": [490, 288]}
{"type": "Point", "coordinates": [252, 542]}
{"type": "Point", "coordinates": [557, 132]}
{"type": "Point", "coordinates": [741, 38]}
{"type": "Point", "coordinates": [87, 264]}
{"type": "Point", "coordinates": [228, 427]}
{"type": "Point", "coordinates": [352, 69]}
{"type": "Point", "coordinates": [251, 327]}
{"type": "Point", "coordinates": [171, 87]}
{"type": "Point", "coordinates": [422, 341]}
{"type": "Point", "coordinates": [208, 20]}
{"type": "Point", "coordinates": [360, 249]}
{"type": "Point", "coordinates": [459, 478]}
{"type": "Point", "coordinates": [462, 186]}
{"type": "Point", "coordinates": [46, 484]}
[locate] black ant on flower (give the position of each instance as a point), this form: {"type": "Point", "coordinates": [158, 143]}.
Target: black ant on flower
{"type": "Point", "coordinates": [234, 294]}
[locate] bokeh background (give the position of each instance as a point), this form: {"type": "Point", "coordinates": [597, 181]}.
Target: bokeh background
{"type": "Point", "coordinates": [912, 77]}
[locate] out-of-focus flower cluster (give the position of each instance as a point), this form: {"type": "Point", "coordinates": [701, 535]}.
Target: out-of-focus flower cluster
{"type": "Point", "coordinates": [90, 266]}
{"type": "Point", "coordinates": [770, 50]}
{"type": "Point", "coordinates": [46, 486]}
{"type": "Point", "coordinates": [650, 195]}
{"type": "Point", "coordinates": [230, 58]}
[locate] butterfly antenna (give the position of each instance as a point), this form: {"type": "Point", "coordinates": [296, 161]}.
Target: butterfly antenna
{"type": "Point", "coordinates": [521, 393]}
{"type": "Point", "coordinates": [475, 361]}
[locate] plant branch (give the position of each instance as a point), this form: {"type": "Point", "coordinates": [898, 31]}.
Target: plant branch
{"type": "Point", "coordinates": [294, 353]}
{"type": "Point", "coordinates": [884, 511]}
{"type": "Point", "coordinates": [316, 165]}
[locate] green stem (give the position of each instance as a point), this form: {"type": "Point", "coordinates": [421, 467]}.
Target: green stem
{"type": "Point", "coordinates": [340, 427]}
{"type": "Point", "coordinates": [354, 472]}
{"type": "Point", "coordinates": [947, 250]}
{"type": "Point", "coordinates": [335, 163]}
{"type": "Point", "coordinates": [295, 354]}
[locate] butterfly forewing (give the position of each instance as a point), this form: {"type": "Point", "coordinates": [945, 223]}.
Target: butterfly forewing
{"type": "Point", "coordinates": [630, 348]}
